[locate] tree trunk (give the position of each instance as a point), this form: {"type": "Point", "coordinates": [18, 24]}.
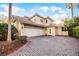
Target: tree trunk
{"type": "Point", "coordinates": [9, 23]}
{"type": "Point", "coordinates": [72, 10]}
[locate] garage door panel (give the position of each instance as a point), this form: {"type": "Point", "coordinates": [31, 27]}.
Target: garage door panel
{"type": "Point", "coordinates": [32, 32]}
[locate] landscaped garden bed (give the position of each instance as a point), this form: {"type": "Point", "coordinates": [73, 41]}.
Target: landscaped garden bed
{"type": "Point", "coordinates": [16, 41]}
{"type": "Point", "coordinates": [7, 48]}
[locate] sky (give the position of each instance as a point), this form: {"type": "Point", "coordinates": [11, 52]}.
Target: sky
{"type": "Point", "coordinates": [57, 11]}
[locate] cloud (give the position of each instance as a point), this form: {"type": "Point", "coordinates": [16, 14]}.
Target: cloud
{"type": "Point", "coordinates": [61, 14]}
{"type": "Point", "coordinates": [59, 17]}
{"type": "Point", "coordinates": [58, 9]}
{"type": "Point", "coordinates": [55, 8]}
{"type": "Point", "coordinates": [62, 11]}
{"type": "Point", "coordinates": [45, 9]}
{"type": "Point", "coordinates": [15, 10]}
{"type": "Point", "coordinates": [42, 9]}
{"type": "Point", "coordinates": [4, 13]}
{"type": "Point", "coordinates": [4, 6]}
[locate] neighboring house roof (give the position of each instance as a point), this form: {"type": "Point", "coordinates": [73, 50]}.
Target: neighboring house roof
{"type": "Point", "coordinates": [27, 20]}
{"type": "Point", "coordinates": [26, 17]}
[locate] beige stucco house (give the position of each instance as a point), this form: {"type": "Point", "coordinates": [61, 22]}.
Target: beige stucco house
{"type": "Point", "coordinates": [37, 26]}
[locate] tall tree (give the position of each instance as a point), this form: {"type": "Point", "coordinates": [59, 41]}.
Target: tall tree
{"type": "Point", "coordinates": [9, 23]}
{"type": "Point", "coordinates": [77, 6]}
{"type": "Point", "coordinates": [70, 7]}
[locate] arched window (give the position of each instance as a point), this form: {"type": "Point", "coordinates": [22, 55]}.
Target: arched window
{"type": "Point", "coordinates": [41, 20]}
{"type": "Point", "coordinates": [46, 21]}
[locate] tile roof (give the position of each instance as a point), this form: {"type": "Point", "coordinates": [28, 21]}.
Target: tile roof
{"type": "Point", "coordinates": [26, 20]}
{"type": "Point", "coordinates": [50, 19]}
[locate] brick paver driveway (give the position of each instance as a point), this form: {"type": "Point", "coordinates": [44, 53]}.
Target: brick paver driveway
{"type": "Point", "coordinates": [49, 46]}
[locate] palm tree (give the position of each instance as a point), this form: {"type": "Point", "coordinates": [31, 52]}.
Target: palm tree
{"type": "Point", "coordinates": [77, 6]}
{"type": "Point", "coordinates": [9, 23]}
{"type": "Point", "coordinates": [70, 7]}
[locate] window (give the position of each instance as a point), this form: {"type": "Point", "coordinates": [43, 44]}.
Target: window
{"type": "Point", "coordinates": [64, 29]}
{"type": "Point", "coordinates": [50, 31]}
{"type": "Point", "coordinates": [34, 19]}
{"type": "Point", "coordinates": [22, 26]}
{"type": "Point", "coordinates": [46, 21]}
{"type": "Point", "coordinates": [41, 20]}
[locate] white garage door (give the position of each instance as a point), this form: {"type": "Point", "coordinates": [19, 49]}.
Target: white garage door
{"type": "Point", "coordinates": [32, 32]}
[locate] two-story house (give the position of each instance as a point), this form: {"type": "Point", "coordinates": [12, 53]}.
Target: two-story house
{"type": "Point", "coordinates": [36, 26]}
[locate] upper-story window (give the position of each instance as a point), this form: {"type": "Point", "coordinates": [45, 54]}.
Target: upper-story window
{"type": "Point", "coordinates": [34, 19]}
{"type": "Point", "coordinates": [46, 21]}
{"type": "Point", "coordinates": [41, 20]}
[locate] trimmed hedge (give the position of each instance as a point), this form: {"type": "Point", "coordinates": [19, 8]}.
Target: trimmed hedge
{"type": "Point", "coordinates": [4, 31]}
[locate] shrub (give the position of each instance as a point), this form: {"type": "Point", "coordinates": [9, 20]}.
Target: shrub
{"type": "Point", "coordinates": [76, 31]}
{"type": "Point", "coordinates": [73, 31]}
{"type": "Point", "coordinates": [4, 31]}
{"type": "Point", "coordinates": [70, 33]}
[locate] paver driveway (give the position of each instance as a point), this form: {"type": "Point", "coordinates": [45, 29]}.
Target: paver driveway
{"type": "Point", "coordinates": [49, 46]}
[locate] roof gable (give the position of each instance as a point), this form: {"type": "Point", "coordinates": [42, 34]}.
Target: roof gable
{"type": "Point", "coordinates": [27, 20]}
{"type": "Point", "coordinates": [37, 16]}
{"type": "Point", "coordinates": [50, 19]}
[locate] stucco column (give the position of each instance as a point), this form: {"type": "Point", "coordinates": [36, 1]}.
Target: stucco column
{"type": "Point", "coordinates": [18, 27]}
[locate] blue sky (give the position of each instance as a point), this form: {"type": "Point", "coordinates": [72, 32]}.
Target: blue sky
{"type": "Point", "coordinates": [57, 11]}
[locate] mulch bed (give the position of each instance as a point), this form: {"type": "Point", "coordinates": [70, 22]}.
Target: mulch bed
{"type": "Point", "coordinates": [7, 48]}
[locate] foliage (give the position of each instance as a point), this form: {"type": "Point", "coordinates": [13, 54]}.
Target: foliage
{"type": "Point", "coordinates": [70, 31]}
{"type": "Point", "coordinates": [72, 25]}
{"type": "Point", "coordinates": [67, 23]}
{"type": "Point", "coordinates": [71, 22]}
{"type": "Point", "coordinates": [76, 21]}
{"type": "Point", "coordinates": [4, 31]}
{"type": "Point", "coordinates": [76, 32]}
{"type": "Point", "coordinates": [6, 48]}
{"type": "Point", "coordinates": [70, 6]}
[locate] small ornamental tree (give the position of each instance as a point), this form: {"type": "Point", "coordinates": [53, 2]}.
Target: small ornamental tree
{"type": "Point", "coordinates": [4, 31]}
